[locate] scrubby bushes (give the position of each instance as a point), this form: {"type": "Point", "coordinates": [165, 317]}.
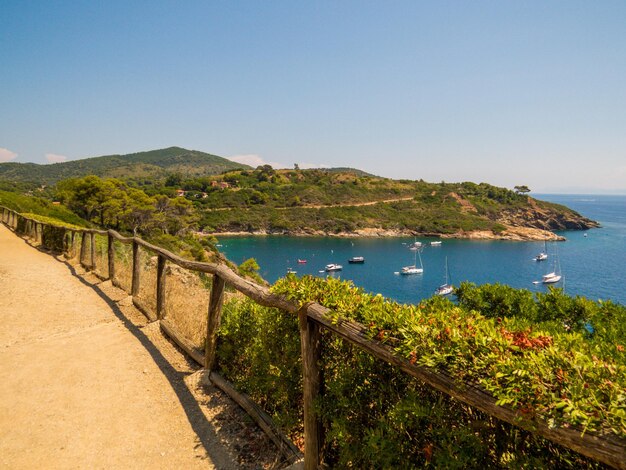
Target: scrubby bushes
{"type": "Point", "coordinates": [377, 417]}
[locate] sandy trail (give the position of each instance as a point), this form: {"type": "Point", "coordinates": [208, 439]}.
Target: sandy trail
{"type": "Point", "coordinates": [81, 386]}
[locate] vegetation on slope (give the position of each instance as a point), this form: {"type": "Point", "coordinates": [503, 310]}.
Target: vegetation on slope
{"type": "Point", "coordinates": [329, 201]}
{"type": "Point", "coordinates": [288, 201]}
{"type": "Point", "coordinates": [541, 359]}
{"type": "Point", "coordinates": [231, 198]}
{"type": "Point", "coordinates": [151, 165]}
{"type": "Point", "coordinates": [40, 209]}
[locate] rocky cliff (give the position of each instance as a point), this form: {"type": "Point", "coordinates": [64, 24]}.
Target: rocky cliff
{"type": "Point", "coordinates": [545, 216]}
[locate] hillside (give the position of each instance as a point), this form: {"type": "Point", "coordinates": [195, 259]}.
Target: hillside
{"type": "Point", "coordinates": [153, 164]}
{"type": "Point", "coordinates": [322, 202]}
{"type": "Point", "coordinates": [40, 209]}
{"type": "Point", "coordinates": [333, 201]}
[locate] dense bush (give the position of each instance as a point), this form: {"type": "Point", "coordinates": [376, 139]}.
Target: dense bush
{"type": "Point", "coordinates": [377, 417]}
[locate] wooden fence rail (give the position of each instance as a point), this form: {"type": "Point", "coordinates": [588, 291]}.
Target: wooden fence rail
{"type": "Point", "coordinates": [607, 449]}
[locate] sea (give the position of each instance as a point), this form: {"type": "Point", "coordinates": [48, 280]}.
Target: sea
{"type": "Point", "coordinates": [592, 262]}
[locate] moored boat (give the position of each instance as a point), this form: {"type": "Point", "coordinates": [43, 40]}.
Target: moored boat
{"type": "Point", "coordinates": [407, 270]}
{"type": "Point", "coordinates": [415, 245]}
{"type": "Point", "coordinates": [543, 255]}
{"type": "Point", "coordinates": [550, 278]}
{"type": "Point", "coordinates": [333, 267]}
{"type": "Point", "coordinates": [446, 288]}
{"type": "Point", "coordinates": [356, 260]}
{"type": "Point", "coordinates": [555, 275]}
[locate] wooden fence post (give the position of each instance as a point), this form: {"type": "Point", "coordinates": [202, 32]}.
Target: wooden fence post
{"type": "Point", "coordinates": [111, 256]}
{"type": "Point", "coordinates": [83, 248]}
{"type": "Point", "coordinates": [73, 251]}
{"type": "Point", "coordinates": [134, 290]}
{"type": "Point", "coordinates": [213, 321]}
{"type": "Point", "coordinates": [311, 344]}
{"type": "Point", "coordinates": [160, 293]}
{"type": "Point", "coordinates": [92, 250]}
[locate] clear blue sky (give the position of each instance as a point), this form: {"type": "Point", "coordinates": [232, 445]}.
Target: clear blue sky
{"type": "Point", "coordinates": [530, 92]}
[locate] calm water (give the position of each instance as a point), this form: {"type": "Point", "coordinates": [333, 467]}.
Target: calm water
{"type": "Point", "coordinates": [593, 266]}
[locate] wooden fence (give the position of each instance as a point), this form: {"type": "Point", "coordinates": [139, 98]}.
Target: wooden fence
{"type": "Point", "coordinates": [312, 317]}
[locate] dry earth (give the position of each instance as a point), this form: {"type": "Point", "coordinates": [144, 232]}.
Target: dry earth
{"type": "Point", "coordinates": [87, 383]}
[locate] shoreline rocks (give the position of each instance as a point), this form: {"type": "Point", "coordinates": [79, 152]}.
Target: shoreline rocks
{"type": "Point", "coordinates": [510, 233]}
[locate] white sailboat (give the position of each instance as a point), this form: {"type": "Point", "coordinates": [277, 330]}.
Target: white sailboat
{"type": "Point", "coordinates": [446, 288]}
{"type": "Point", "coordinates": [555, 275]}
{"type": "Point", "coordinates": [406, 270]}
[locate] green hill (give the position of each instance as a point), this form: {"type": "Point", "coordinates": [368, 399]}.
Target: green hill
{"type": "Point", "coordinates": [231, 197]}
{"type": "Point", "coordinates": [153, 164]}
{"type": "Point", "coordinates": [327, 201]}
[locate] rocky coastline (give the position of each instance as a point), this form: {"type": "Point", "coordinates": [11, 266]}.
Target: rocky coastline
{"type": "Point", "coordinates": [510, 233]}
{"type": "Point", "coordinates": [535, 222]}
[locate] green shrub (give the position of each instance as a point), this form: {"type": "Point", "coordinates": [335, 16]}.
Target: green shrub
{"type": "Point", "coordinates": [375, 416]}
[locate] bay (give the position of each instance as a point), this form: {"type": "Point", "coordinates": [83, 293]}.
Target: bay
{"type": "Point", "coordinates": [593, 266]}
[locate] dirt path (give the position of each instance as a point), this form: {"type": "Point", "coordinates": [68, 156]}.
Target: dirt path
{"type": "Point", "coordinates": [81, 385]}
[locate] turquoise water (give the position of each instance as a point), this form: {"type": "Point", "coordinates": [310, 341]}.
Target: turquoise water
{"type": "Point", "coordinates": [593, 266]}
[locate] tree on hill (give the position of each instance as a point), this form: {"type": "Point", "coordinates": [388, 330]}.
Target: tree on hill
{"type": "Point", "coordinates": [112, 203]}
{"type": "Point", "coordinates": [522, 189]}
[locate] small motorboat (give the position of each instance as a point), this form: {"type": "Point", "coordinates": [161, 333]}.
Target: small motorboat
{"type": "Point", "coordinates": [291, 271]}
{"type": "Point", "coordinates": [415, 245]}
{"type": "Point", "coordinates": [544, 254]}
{"type": "Point", "coordinates": [301, 261]}
{"type": "Point", "coordinates": [333, 267]}
{"type": "Point", "coordinates": [436, 243]}
{"type": "Point", "coordinates": [356, 260]}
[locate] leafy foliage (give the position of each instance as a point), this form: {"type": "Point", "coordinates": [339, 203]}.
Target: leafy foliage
{"type": "Point", "coordinates": [41, 209]}
{"type": "Point", "coordinates": [309, 201]}
{"type": "Point", "coordinates": [377, 417]}
{"type": "Point", "coordinates": [112, 203]}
